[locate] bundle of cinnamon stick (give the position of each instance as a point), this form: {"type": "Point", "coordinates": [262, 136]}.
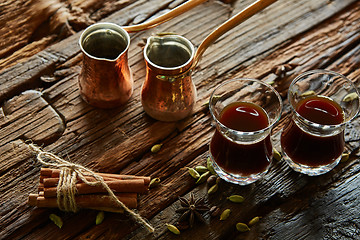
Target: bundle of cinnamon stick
{"type": "Point", "coordinates": [125, 187]}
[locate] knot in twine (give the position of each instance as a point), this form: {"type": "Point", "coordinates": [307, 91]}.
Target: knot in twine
{"type": "Point", "coordinates": [66, 188]}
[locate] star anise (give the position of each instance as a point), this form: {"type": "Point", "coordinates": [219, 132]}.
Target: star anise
{"type": "Point", "coordinates": [192, 209]}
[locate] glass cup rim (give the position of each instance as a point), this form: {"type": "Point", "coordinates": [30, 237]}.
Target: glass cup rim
{"type": "Point", "coordinates": [324, 71]}
{"type": "Point", "coordinates": [100, 26]}
{"type": "Point", "coordinates": [269, 127]}
{"type": "Point", "coordinates": [175, 37]}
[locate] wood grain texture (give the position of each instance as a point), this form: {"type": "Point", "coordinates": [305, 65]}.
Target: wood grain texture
{"type": "Point", "coordinates": [35, 25]}
{"type": "Point", "coordinates": [306, 34]}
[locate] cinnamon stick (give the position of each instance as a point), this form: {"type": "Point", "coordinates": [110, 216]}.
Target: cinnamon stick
{"type": "Point", "coordinates": [53, 181]}
{"type": "Point", "coordinates": [49, 172]}
{"type": "Point", "coordinates": [89, 178]}
{"type": "Point", "coordinates": [125, 186]}
{"type": "Point", "coordinates": [93, 201]}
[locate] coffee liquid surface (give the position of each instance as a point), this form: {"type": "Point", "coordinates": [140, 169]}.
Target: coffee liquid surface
{"type": "Point", "coordinates": [104, 43]}
{"type": "Point", "coordinates": [168, 55]}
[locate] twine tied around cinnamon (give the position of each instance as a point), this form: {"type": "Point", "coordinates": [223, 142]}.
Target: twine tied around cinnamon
{"type": "Point", "coordinates": [66, 189]}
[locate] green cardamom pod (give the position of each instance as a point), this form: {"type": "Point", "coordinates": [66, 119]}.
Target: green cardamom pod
{"type": "Point", "coordinates": [206, 104]}
{"type": "Point", "coordinates": [209, 166]}
{"type": "Point", "coordinates": [344, 157]}
{"type": "Point", "coordinates": [236, 198]}
{"type": "Point", "coordinates": [166, 33]}
{"type": "Point", "coordinates": [56, 219]}
{"type": "Point", "coordinates": [271, 82]}
{"type": "Point", "coordinates": [154, 182]}
{"type": "Point", "coordinates": [307, 93]}
{"type": "Point", "coordinates": [213, 189]}
{"type": "Point", "coordinates": [350, 97]}
{"type": "Point", "coordinates": [201, 169]}
{"type": "Point", "coordinates": [225, 214]}
{"type": "Point", "coordinates": [194, 173]}
{"type": "Point", "coordinates": [242, 227]}
{"type": "Point", "coordinates": [99, 218]}
{"type": "Point", "coordinates": [276, 154]}
{"type": "Point", "coordinates": [203, 177]}
{"type": "Point", "coordinates": [156, 148]}
{"type": "Point", "coordinates": [214, 99]}
{"type": "Point", "coordinates": [173, 229]}
{"type": "Point", "coordinates": [254, 221]}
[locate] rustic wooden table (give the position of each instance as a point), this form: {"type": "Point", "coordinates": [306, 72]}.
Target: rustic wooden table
{"type": "Point", "coordinates": [41, 60]}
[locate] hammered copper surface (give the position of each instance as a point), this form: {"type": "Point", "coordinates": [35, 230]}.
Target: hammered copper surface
{"type": "Point", "coordinates": [106, 84]}
{"type": "Point", "coordinates": [165, 100]}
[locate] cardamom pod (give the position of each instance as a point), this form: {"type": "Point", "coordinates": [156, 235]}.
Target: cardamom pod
{"type": "Point", "coordinates": [156, 148]}
{"type": "Point", "coordinates": [307, 93]}
{"type": "Point", "coordinates": [236, 198]}
{"type": "Point", "coordinates": [242, 227]}
{"type": "Point", "coordinates": [225, 214]}
{"type": "Point", "coordinates": [203, 177]}
{"type": "Point", "coordinates": [271, 82]}
{"type": "Point", "coordinates": [209, 166]}
{"type": "Point", "coordinates": [56, 219]}
{"type": "Point", "coordinates": [201, 169]}
{"type": "Point", "coordinates": [165, 33]}
{"type": "Point", "coordinates": [276, 154]}
{"type": "Point", "coordinates": [344, 157]}
{"type": "Point", "coordinates": [213, 189]}
{"type": "Point", "coordinates": [206, 104]}
{"type": "Point", "coordinates": [254, 221]}
{"type": "Point", "coordinates": [350, 97]}
{"type": "Point", "coordinates": [193, 173]}
{"type": "Point", "coordinates": [154, 182]}
{"type": "Point", "coordinates": [214, 99]}
{"type": "Point", "coordinates": [99, 218]}
{"type": "Point", "coordinates": [172, 228]}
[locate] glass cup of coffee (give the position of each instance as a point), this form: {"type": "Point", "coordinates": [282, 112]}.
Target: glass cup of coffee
{"type": "Point", "coordinates": [244, 112]}
{"type": "Point", "coordinates": [322, 103]}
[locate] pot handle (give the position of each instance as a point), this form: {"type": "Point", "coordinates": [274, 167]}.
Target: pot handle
{"type": "Point", "coordinates": [165, 17]}
{"type": "Point", "coordinates": [228, 25]}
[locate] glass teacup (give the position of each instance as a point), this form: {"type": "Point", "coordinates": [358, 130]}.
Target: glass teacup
{"type": "Point", "coordinates": [322, 103]}
{"type": "Point", "coordinates": [244, 111]}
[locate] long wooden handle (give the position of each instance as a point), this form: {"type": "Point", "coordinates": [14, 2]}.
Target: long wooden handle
{"type": "Point", "coordinates": [165, 17]}
{"type": "Point", "coordinates": [229, 24]}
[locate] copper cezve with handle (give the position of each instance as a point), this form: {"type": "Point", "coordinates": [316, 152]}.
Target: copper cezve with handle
{"type": "Point", "coordinates": [168, 93]}
{"type": "Point", "coordinates": [105, 80]}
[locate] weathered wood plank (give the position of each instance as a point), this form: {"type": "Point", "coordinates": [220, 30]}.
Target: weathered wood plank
{"type": "Point", "coordinates": [38, 24]}
{"type": "Point", "coordinates": [22, 116]}
{"type": "Point", "coordinates": [17, 176]}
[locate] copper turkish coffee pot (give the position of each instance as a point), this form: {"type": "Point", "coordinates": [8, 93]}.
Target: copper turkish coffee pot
{"type": "Point", "coordinates": [168, 93]}
{"type": "Point", "coordinates": [106, 80]}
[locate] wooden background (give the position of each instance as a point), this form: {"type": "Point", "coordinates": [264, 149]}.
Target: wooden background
{"type": "Point", "coordinates": [39, 65]}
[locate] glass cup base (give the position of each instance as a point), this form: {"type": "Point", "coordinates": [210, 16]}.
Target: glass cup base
{"type": "Point", "coordinates": [308, 170]}
{"type": "Point", "coordinates": [235, 178]}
